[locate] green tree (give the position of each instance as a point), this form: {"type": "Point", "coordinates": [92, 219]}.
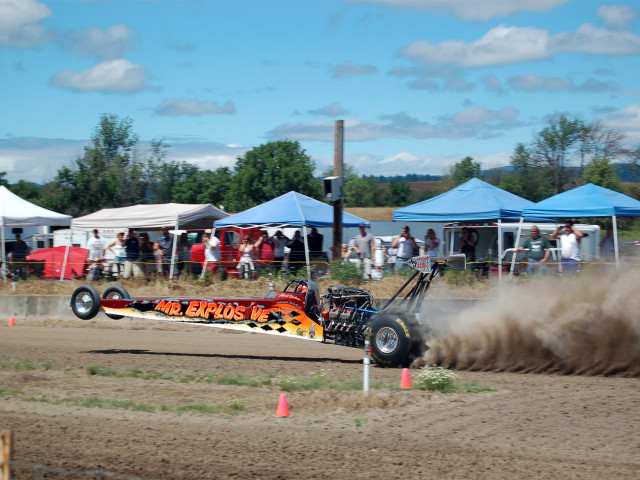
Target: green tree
{"type": "Point", "coordinates": [362, 192]}
{"type": "Point", "coordinates": [204, 187]}
{"type": "Point", "coordinates": [527, 179]}
{"type": "Point", "coordinates": [108, 174]}
{"type": "Point", "coordinates": [399, 194]}
{"type": "Point", "coordinates": [600, 172]}
{"type": "Point", "coordinates": [462, 171]}
{"type": "Point", "coordinates": [27, 190]}
{"type": "Point", "coordinates": [271, 170]}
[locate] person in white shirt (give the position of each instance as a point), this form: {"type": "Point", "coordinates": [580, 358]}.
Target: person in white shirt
{"type": "Point", "coordinates": [431, 243]}
{"type": "Point", "coordinates": [279, 241]}
{"type": "Point", "coordinates": [212, 256]}
{"type": "Point", "coordinates": [96, 246]}
{"type": "Point", "coordinates": [405, 245]}
{"type": "Point", "coordinates": [569, 237]}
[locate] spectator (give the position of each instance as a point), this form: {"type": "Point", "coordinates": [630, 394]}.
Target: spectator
{"type": "Point", "coordinates": [345, 253]}
{"type": "Point", "coordinates": [147, 256]}
{"type": "Point", "coordinates": [18, 255]}
{"type": "Point", "coordinates": [296, 255]}
{"type": "Point", "coordinates": [132, 248]}
{"type": "Point", "coordinates": [212, 256]}
{"type": "Point", "coordinates": [267, 253]}
{"type": "Point", "coordinates": [183, 252]}
{"type": "Point", "coordinates": [314, 240]}
{"type": "Point", "coordinates": [247, 251]}
{"type": "Point", "coordinates": [607, 246]}
{"type": "Point", "coordinates": [118, 248]}
{"type": "Point", "coordinates": [19, 250]}
{"type": "Point", "coordinates": [539, 251]}
{"type": "Point", "coordinates": [165, 250]}
{"type": "Point", "coordinates": [431, 243]}
{"type": "Point", "coordinates": [570, 238]}
{"type": "Point", "coordinates": [279, 242]}
{"type": "Point", "coordinates": [405, 245]}
{"type": "Point", "coordinates": [96, 246]}
{"type": "Point", "coordinates": [468, 244]}
{"type": "Point", "coordinates": [365, 249]}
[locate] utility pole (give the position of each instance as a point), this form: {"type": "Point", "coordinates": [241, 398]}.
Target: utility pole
{"type": "Point", "coordinates": [338, 159]}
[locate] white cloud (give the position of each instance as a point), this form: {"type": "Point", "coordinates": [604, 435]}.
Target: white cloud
{"type": "Point", "coordinates": [473, 122]}
{"type": "Point", "coordinates": [504, 45]}
{"type": "Point", "coordinates": [475, 10]}
{"type": "Point", "coordinates": [332, 110]}
{"type": "Point", "coordinates": [626, 121]}
{"type": "Point", "coordinates": [499, 46]}
{"type": "Point", "coordinates": [19, 23]}
{"type": "Point", "coordinates": [113, 76]}
{"type": "Point", "coordinates": [37, 159]}
{"type": "Point", "coordinates": [351, 69]}
{"type": "Point", "coordinates": [194, 107]}
{"type": "Point", "coordinates": [97, 42]}
{"type": "Point", "coordinates": [536, 83]}
{"type": "Point", "coordinates": [614, 16]}
{"type": "Point", "coordinates": [589, 39]}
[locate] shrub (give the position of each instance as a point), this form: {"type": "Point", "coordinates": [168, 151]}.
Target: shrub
{"type": "Point", "coordinates": [436, 379]}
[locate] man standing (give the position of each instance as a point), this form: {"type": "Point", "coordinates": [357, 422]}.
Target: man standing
{"type": "Point", "coordinates": [405, 245]}
{"type": "Point", "coordinates": [183, 253]}
{"type": "Point", "coordinates": [132, 249]}
{"type": "Point", "coordinates": [18, 255]}
{"type": "Point", "coordinates": [570, 238]}
{"type": "Point", "coordinates": [314, 239]}
{"type": "Point", "coordinates": [165, 247]}
{"type": "Point", "coordinates": [539, 251]}
{"type": "Point", "coordinates": [211, 246]}
{"type": "Point", "coordinates": [96, 246]}
{"type": "Point", "coordinates": [365, 249]}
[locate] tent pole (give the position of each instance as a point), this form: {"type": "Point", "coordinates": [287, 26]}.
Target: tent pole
{"type": "Point", "coordinates": [173, 250]}
{"type": "Point", "coordinates": [499, 251]}
{"type": "Point", "coordinates": [66, 254]}
{"type": "Point", "coordinates": [517, 244]}
{"type": "Point", "coordinates": [615, 240]}
{"type": "Point", "coordinates": [306, 249]}
{"type": "Point", "coordinates": [4, 255]}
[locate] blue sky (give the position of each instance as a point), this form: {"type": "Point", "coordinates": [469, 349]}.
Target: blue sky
{"type": "Point", "coordinates": [420, 84]}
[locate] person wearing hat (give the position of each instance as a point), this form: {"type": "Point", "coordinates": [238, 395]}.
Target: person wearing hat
{"type": "Point", "coordinates": [405, 245]}
{"type": "Point", "coordinates": [364, 246]}
{"type": "Point", "coordinates": [539, 250]}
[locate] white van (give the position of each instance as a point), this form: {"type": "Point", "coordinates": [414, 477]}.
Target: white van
{"type": "Point", "coordinates": [486, 234]}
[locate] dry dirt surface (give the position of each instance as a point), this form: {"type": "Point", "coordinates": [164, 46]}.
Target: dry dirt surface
{"type": "Point", "coordinates": [529, 425]}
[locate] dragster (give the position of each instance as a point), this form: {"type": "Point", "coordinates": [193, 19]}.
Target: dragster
{"type": "Point", "coordinates": [344, 315]}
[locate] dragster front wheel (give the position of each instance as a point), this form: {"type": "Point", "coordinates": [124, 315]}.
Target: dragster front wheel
{"type": "Point", "coordinates": [117, 292]}
{"type": "Point", "coordinates": [395, 339]}
{"type": "Point", "coordinates": [85, 302]}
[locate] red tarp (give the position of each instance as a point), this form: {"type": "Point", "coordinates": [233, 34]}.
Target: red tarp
{"type": "Point", "coordinates": [53, 259]}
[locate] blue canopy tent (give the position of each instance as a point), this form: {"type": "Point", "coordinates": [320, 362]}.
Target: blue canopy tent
{"type": "Point", "coordinates": [473, 200]}
{"type": "Point", "coordinates": [289, 210]}
{"type": "Point", "coordinates": [588, 201]}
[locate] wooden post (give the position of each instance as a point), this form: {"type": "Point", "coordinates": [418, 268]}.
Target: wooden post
{"type": "Point", "coordinates": [6, 444]}
{"type": "Point", "coordinates": [338, 153]}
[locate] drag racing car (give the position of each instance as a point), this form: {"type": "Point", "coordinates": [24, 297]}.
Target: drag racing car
{"type": "Point", "coordinates": [344, 315]}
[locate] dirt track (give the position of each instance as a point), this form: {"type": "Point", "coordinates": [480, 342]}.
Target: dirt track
{"type": "Point", "coordinates": [532, 426]}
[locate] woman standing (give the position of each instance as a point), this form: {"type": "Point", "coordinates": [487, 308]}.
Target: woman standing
{"type": "Point", "coordinates": [118, 248]}
{"type": "Point", "coordinates": [247, 250]}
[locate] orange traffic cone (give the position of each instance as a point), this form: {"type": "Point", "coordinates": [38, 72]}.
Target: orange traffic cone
{"type": "Point", "coordinates": [283, 407]}
{"type": "Point", "coordinates": [405, 380]}
{"type": "Point", "coordinates": [12, 321]}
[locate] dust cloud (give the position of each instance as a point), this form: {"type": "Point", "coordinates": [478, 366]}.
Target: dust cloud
{"type": "Point", "coordinates": [586, 325]}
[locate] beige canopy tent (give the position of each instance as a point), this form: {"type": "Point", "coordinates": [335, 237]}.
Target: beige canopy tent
{"type": "Point", "coordinates": [153, 217]}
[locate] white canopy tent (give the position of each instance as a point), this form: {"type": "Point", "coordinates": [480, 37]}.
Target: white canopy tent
{"type": "Point", "coordinates": [18, 212]}
{"type": "Point", "coordinates": [153, 217]}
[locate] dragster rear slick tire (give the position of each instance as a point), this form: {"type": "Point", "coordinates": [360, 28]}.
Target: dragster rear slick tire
{"type": "Point", "coordinates": [115, 291]}
{"type": "Point", "coordinates": [85, 302]}
{"type": "Point", "coordinates": [396, 339]}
